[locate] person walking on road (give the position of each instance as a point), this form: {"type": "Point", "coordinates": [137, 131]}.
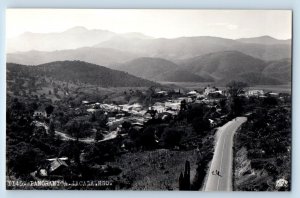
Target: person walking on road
{"type": "Point", "coordinates": [217, 173]}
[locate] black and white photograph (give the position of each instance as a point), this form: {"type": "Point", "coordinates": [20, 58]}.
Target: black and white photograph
{"type": "Point", "coordinates": [148, 99]}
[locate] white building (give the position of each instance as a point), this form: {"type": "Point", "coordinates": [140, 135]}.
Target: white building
{"type": "Point", "coordinates": [109, 107]}
{"type": "Point", "coordinates": [193, 93]}
{"type": "Point", "coordinates": [173, 105]}
{"type": "Point", "coordinates": [208, 90]}
{"type": "Point", "coordinates": [164, 93]}
{"type": "Point", "coordinates": [136, 107]}
{"type": "Point", "coordinates": [40, 113]}
{"type": "Point", "coordinates": [255, 92]}
{"type": "Point", "coordinates": [273, 94]}
{"type": "Point", "coordinates": [187, 99]}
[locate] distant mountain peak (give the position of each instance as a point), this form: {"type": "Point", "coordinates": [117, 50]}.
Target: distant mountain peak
{"type": "Point", "coordinates": [259, 37]}
{"type": "Point", "coordinates": [77, 29]}
{"type": "Point", "coordinates": [265, 39]}
{"type": "Point", "coordinates": [136, 35]}
{"type": "Point", "coordinates": [266, 36]}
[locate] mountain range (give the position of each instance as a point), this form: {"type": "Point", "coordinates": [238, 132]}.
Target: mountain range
{"type": "Point", "coordinates": [264, 47]}
{"type": "Point", "coordinates": [72, 38]}
{"type": "Point", "coordinates": [189, 47]}
{"type": "Point", "coordinates": [219, 67]}
{"type": "Point", "coordinates": [99, 56]}
{"type": "Point", "coordinates": [258, 60]}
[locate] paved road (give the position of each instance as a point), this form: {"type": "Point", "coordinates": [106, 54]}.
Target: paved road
{"type": "Point", "coordinates": [222, 159]}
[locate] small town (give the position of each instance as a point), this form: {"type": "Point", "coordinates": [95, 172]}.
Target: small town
{"type": "Point", "coordinates": [135, 114]}
{"type": "Point", "coordinates": [149, 100]}
{"type": "Point", "coordinates": [126, 125]}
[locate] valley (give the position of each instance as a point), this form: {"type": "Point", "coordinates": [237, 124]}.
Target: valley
{"type": "Point", "coordinates": [143, 113]}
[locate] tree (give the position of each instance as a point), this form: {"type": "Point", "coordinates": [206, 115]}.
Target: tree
{"type": "Point", "coordinates": [78, 129]}
{"type": "Point", "coordinates": [49, 109]}
{"type": "Point", "coordinates": [150, 93]}
{"type": "Point", "coordinates": [223, 105]}
{"type": "Point", "coordinates": [183, 105]}
{"type": "Point", "coordinates": [51, 129]}
{"type": "Point", "coordinates": [235, 88]}
{"type": "Point", "coordinates": [102, 119]}
{"type": "Point", "coordinates": [27, 161]}
{"type": "Point", "coordinates": [70, 149]}
{"type": "Point", "coordinates": [171, 137]}
{"type": "Point", "coordinates": [237, 106]}
{"type": "Point", "coordinates": [93, 117]}
{"type": "Point", "coordinates": [152, 113]}
{"type": "Point", "coordinates": [55, 90]}
{"type": "Point", "coordinates": [133, 134]}
{"type": "Point", "coordinates": [201, 124]}
{"type": "Point", "coordinates": [17, 107]}
{"type": "Point", "coordinates": [147, 138]}
{"type": "Point", "coordinates": [126, 126]}
{"type": "Point", "coordinates": [33, 106]}
{"type": "Point", "coordinates": [270, 101]}
{"type": "Point", "coordinates": [184, 179]}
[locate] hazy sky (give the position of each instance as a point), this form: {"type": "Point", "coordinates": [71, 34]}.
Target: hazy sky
{"type": "Point", "coordinates": [157, 23]}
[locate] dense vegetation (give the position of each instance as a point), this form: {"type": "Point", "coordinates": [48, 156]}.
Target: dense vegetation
{"type": "Point", "coordinates": [28, 146]}
{"type": "Point", "coordinates": [263, 146]}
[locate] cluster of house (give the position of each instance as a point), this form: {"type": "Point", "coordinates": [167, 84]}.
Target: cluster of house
{"type": "Point", "coordinates": [137, 111]}
{"type": "Point", "coordinates": [57, 168]}
{"type": "Point", "coordinates": [260, 93]}
{"type": "Point", "coordinates": [137, 114]}
{"type": "Point", "coordinates": [214, 92]}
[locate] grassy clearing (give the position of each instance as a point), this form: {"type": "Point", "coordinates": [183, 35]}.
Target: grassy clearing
{"type": "Point", "coordinates": [152, 170]}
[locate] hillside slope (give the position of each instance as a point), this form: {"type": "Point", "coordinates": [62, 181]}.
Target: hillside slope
{"type": "Point", "coordinates": [233, 65]}
{"type": "Point", "coordinates": [266, 40]}
{"type": "Point", "coordinates": [281, 70]}
{"type": "Point", "coordinates": [82, 72]}
{"type": "Point", "coordinates": [224, 64]}
{"type": "Point", "coordinates": [159, 69]}
{"type": "Point", "coordinates": [147, 67]}
{"type": "Point", "coordinates": [181, 75]}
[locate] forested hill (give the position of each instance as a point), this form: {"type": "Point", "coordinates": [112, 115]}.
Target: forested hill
{"type": "Point", "coordinates": [80, 72]}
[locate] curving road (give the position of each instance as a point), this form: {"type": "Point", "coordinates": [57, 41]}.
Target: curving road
{"type": "Point", "coordinates": [66, 137]}
{"type": "Point", "coordinates": [222, 159]}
